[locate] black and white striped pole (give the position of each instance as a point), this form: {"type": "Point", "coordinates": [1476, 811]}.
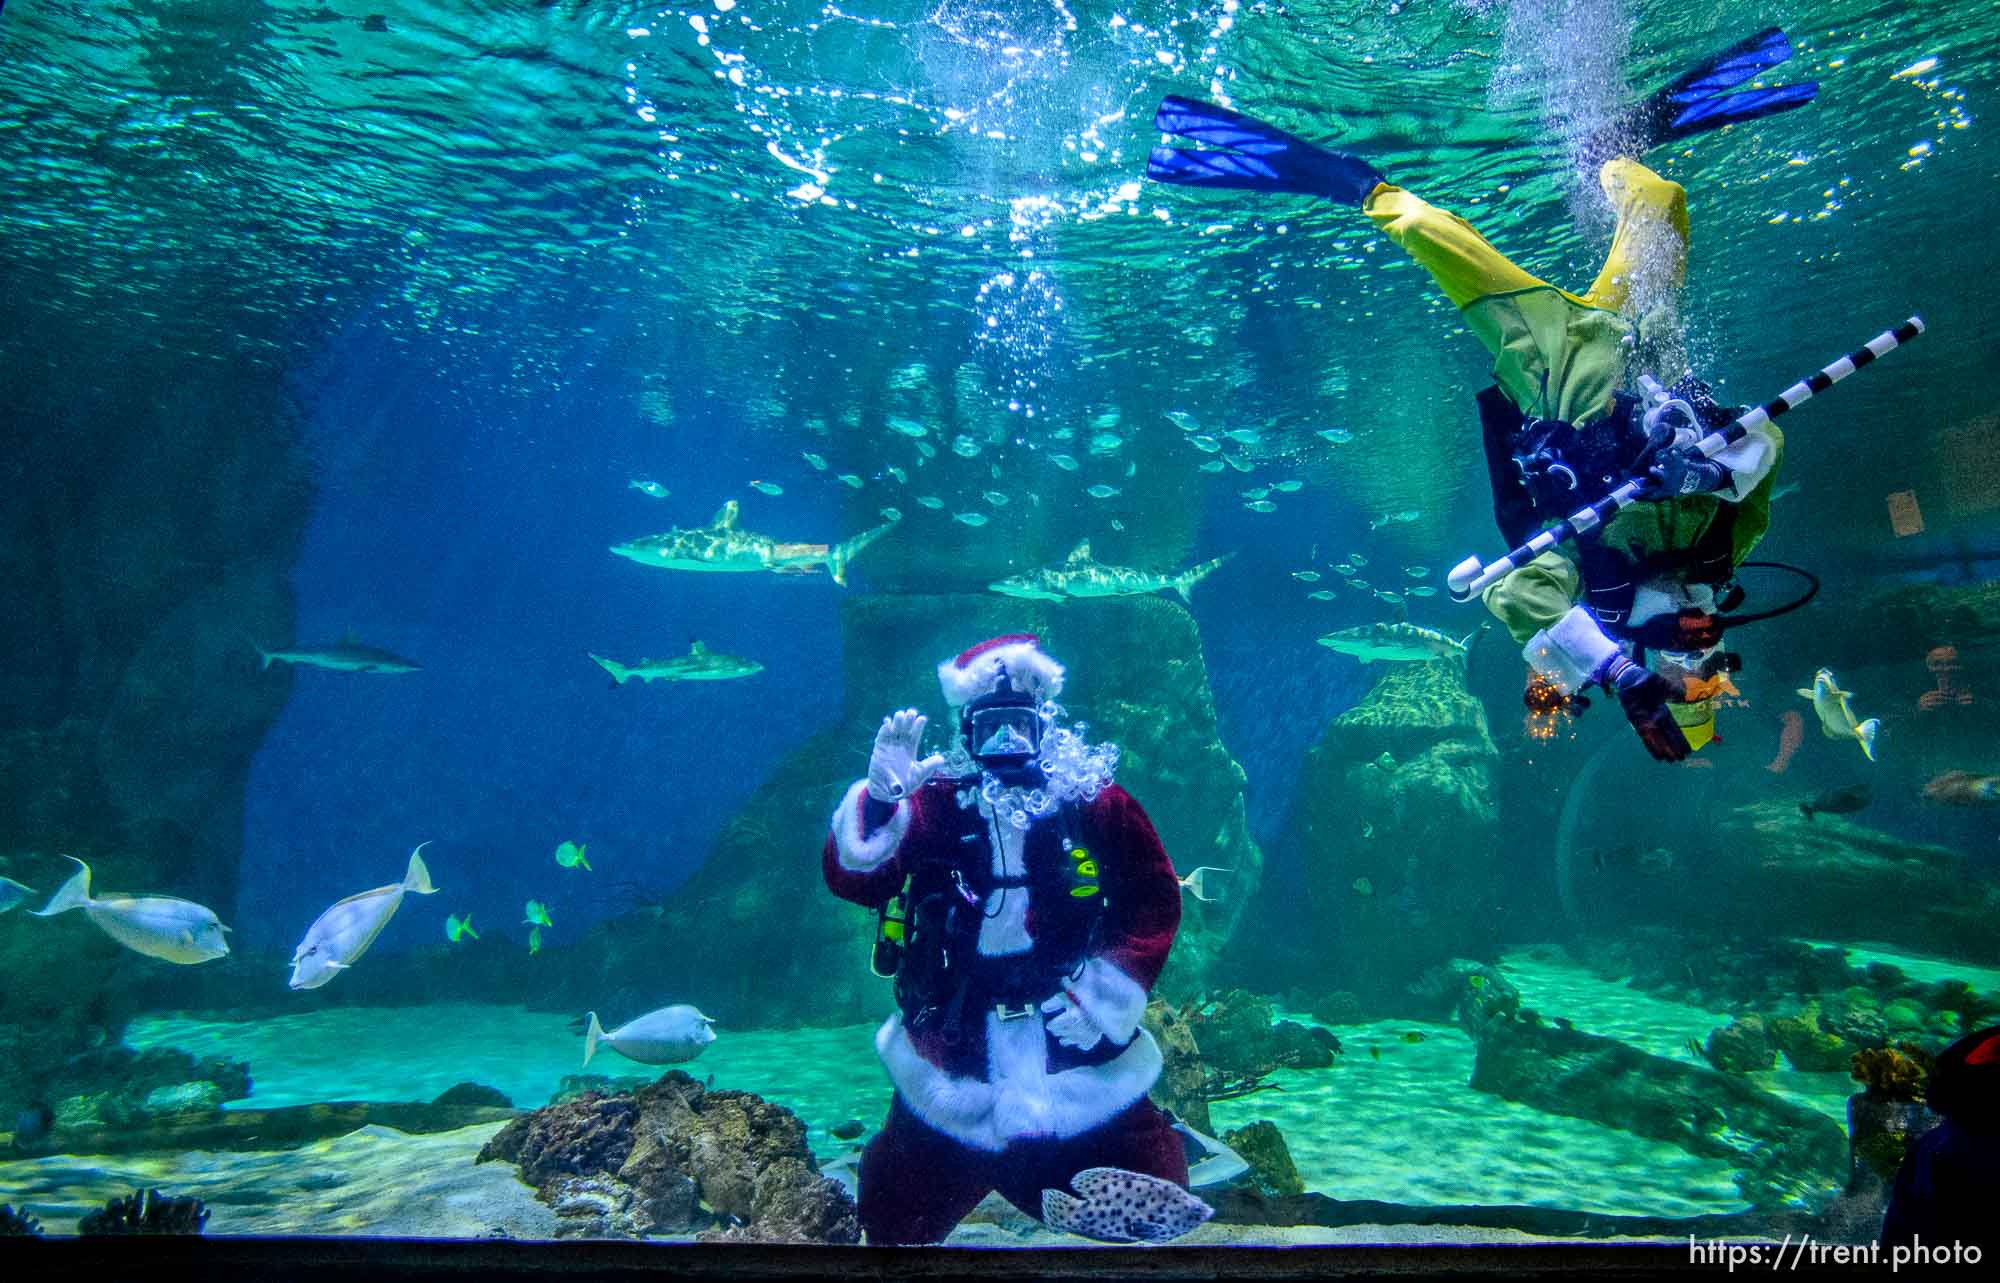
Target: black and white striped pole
{"type": "Point", "coordinates": [1470, 577]}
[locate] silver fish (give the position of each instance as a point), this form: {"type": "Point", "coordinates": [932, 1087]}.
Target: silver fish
{"type": "Point", "coordinates": [159, 926]}
{"type": "Point", "coordinates": [339, 936]}
{"type": "Point", "coordinates": [670, 1036]}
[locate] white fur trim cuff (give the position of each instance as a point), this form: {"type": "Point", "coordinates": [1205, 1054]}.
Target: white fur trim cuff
{"type": "Point", "coordinates": [1027, 668]}
{"type": "Point", "coordinates": [1023, 1100]}
{"type": "Point", "coordinates": [1113, 1000]}
{"type": "Point", "coordinates": [859, 854]}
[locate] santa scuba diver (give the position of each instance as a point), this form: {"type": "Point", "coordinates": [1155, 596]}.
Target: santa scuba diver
{"type": "Point", "coordinates": [1027, 907]}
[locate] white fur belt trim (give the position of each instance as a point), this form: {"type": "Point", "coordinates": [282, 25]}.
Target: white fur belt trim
{"type": "Point", "coordinates": [860, 854]}
{"type": "Point", "coordinates": [1021, 1100]}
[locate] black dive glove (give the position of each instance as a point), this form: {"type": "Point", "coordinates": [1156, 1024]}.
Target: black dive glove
{"type": "Point", "coordinates": [1643, 694]}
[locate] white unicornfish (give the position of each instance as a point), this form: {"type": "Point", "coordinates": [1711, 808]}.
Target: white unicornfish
{"type": "Point", "coordinates": [669, 1036]}
{"type": "Point", "coordinates": [1836, 718]}
{"type": "Point", "coordinates": [338, 937]}
{"type": "Point", "coordinates": [158, 926]}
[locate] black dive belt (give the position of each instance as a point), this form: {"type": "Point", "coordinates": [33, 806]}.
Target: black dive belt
{"type": "Point", "coordinates": [1470, 577]}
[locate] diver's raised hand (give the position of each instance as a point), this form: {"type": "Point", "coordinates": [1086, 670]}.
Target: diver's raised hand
{"type": "Point", "coordinates": [894, 769]}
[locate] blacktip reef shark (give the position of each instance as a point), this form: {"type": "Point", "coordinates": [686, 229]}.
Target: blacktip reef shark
{"type": "Point", "coordinates": [723, 547]}
{"type": "Point", "coordinates": [1082, 576]}
{"type": "Point", "coordinates": [1400, 642]}
{"type": "Point", "coordinates": [700, 664]}
{"type": "Point", "coordinates": [348, 655]}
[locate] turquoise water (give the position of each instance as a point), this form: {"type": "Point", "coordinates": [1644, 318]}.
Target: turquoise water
{"type": "Point", "coordinates": [334, 338]}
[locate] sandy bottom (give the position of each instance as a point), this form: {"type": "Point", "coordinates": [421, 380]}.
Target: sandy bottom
{"type": "Point", "coordinates": [1393, 1120]}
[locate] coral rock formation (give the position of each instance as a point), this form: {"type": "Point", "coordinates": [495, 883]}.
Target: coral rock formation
{"type": "Point", "coordinates": [675, 1157]}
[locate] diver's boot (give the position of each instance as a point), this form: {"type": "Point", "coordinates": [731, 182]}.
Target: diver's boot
{"type": "Point", "coordinates": [1695, 102]}
{"type": "Point", "coordinates": [1252, 155]}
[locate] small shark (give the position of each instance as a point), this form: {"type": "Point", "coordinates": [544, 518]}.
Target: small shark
{"type": "Point", "coordinates": [348, 655]}
{"type": "Point", "coordinates": [700, 664]}
{"type": "Point", "coordinates": [721, 546]}
{"type": "Point", "coordinates": [1836, 716]}
{"type": "Point", "coordinates": [1080, 576]}
{"type": "Point", "coordinates": [1398, 643]}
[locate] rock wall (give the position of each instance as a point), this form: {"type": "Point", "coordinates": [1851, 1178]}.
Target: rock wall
{"type": "Point", "coordinates": [1770, 872]}
{"type": "Point", "coordinates": [755, 934]}
{"type": "Point", "coordinates": [1397, 828]}
{"type": "Point", "coordinates": [153, 512]}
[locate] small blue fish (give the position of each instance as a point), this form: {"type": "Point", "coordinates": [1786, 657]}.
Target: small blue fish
{"type": "Point", "coordinates": [1102, 491]}
{"type": "Point", "coordinates": [973, 519]}
{"type": "Point", "coordinates": [1335, 436]}
{"type": "Point", "coordinates": [1063, 461]}
{"type": "Point", "coordinates": [818, 462]}
{"type": "Point", "coordinates": [652, 488]}
{"type": "Point", "coordinates": [767, 487]}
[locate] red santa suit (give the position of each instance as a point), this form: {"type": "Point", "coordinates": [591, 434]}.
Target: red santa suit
{"type": "Point", "coordinates": [988, 1096]}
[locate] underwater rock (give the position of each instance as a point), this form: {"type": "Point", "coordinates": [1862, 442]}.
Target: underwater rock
{"type": "Point", "coordinates": [1783, 1152]}
{"type": "Point", "coordinates": [1135, 665]}
{"type": "Point", "coordinates": [469, 1093]}
{"type": "Point", "coordinates": [574, 1086]}
{"type": "Point", "coordinates": [1881, 1128]}
{"type": "Point", "coordinates": [80, 1128]}
{"type": "Point", "coordinates": [21, 1224]}
{"type": "Point", "coordinates": [1807, 1045]}
{"type": "Point", "coordinates": [1471, 993]}
{"type": "Point", "coordinates": [1422, 839]}
{"type": "Point", "coordinates": [184, 1098]}
{"type": "Point", "coordinates": [1180, 1089]}
{"type": "Point", "coordinates": [1771, 873]}
{"type": "Point", "coordinates": [1336, 1008]}
{"type": "Point", "coordinates": [1272, 1172]}
{"type": "Point", "coordinates": [145, 1212]}
{"type": "Point", "coordinates": [1743, 1046]}
{"type": "Point", "coordinates": [1243, 1036]}
{"type": "Point", "coordinates": [672, 1157]}
{"type": "Point", "coordinates": [1893, 1073]}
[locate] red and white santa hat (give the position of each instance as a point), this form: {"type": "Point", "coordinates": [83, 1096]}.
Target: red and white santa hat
{"type": "Point", "coordinates": [1018, 656]}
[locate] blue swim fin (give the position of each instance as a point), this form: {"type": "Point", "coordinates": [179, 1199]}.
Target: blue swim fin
{"type": "Point", "coordinates": [1251, 155]}
{"type": "Point", "coordinates": [1697, 101]}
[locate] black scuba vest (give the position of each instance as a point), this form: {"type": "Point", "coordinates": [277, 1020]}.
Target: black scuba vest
{"type": "Point", "coordinates": [1542, 470]}
{"type": "Point", "coordinates": [943, 978]}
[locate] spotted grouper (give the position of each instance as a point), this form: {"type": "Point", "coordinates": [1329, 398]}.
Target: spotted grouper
{"type": "Point", "coordinates": [1123, 1207]}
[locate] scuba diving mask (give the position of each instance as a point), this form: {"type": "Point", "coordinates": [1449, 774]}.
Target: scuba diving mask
{"type": "Point", "coordinates": [1003, 731]}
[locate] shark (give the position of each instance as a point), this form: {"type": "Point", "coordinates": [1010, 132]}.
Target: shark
{"type": "Point", "coordinates": [1082, 576]}
{"type": "Point", "coordinates": [348, 655]}
{"type": "Point", "coordinates": [1400, 642]}
{"type": "Point", "coordinates": [723, 547]}
{"type": "Point", "coordinates": [700, 664]}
